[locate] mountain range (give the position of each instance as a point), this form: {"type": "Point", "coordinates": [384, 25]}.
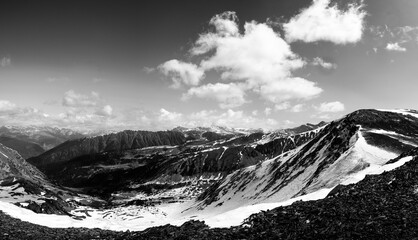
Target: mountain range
{"type": "Point", "coordinates": [139, 179]}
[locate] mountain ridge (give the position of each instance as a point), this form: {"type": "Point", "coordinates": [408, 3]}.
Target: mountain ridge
{"type": "Point", "coordinates": [224, 180]}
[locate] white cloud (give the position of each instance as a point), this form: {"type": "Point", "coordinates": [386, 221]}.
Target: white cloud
{"type": "Point", "coordinates": [324, 22]}
{"type": "Point", "coordinates": [259, 55]}
{"type": "Point", "coordinates": [258, 59]}
{"type": "Point", "coordinates": [289, 89]}
{"type": "Point", "coordinates": [237, 119]}
{"type": "Point", "coordinates": [74, 118]}
{"type": "Point", "coordinates": [391, 38]}
{"type": "Point", "coordinates": [169, 116]}
{"type": "Point", "coordinates": [267, 111]}
{"type": "Point", "coordinates": [182, 73]}
{"type": "Point", "coordinates": [149, 70]}
{"type": "Point", "coordinates": [224, 23]}
{"type": "Point", "coordinates": [288, 122]}
{"type": "Point", "coordinates": [135, 119]}
{"type": "Point", "coordinates": [165, 119]}
{"type": "Point", "coordinates": [297, 108]}
{"type": "Point", "coordinates": [228, 95]}
{"type": "Point", "coordinates": [282, 106]}
{"type": "Point", "coordinates": [107, 110]}
{"type": "Point", "coordinates": [6, 106]}
{"type": "Point", "coordinates": [330, 107]}
{"type": "Point", "coordinates": [401, 34]}
{"type": "Point", "coordinates": [320, 62]}
{"type": "Point", "coordinates": [12, 114]}
{"type": "Point", "coordinates": [395, 47]}
{"type": "Point", "coordinates": [73, 99]}
{"type": "Point", "coordinates": [5, 62]}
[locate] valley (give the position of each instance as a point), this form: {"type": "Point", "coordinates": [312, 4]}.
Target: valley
{"type": "Point", "coordinates": [136, 180]}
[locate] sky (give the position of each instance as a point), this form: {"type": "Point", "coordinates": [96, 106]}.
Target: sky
{"type": "Point", "coordinates": [155, 65]}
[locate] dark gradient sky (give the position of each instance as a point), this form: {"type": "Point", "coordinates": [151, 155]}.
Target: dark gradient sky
{"type": "Point", "coordinates": [115, 35]}
{"type": "Point", "coordinates": [104, 47]}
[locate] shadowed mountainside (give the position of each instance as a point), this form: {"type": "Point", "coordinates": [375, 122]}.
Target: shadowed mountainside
{"type": "Point", "coordinates": [25, 149]}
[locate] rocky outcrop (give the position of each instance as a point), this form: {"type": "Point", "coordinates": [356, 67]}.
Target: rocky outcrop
{"type": "Point", "coordinates": [13, 165]}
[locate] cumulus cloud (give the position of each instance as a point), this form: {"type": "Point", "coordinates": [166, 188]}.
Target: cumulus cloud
{"type": "Point", "coordinates": [259, 55]}
{"type": "Point", "coordinates": [256, 60]}
{"type": "Point", "coordinates": [12, 114]}
{"type": "Point", "coordinates": [395, 47]}
{"type": "Point", "coordinates": [182, 73]}
{"type": "Point", "coordinates": [73, 99]}
{"type": "Point", "coordinates": [297, 108]}
{"type": "Point", "coordinates": [169, 116]}
{"type": "Point", "coordinates": [325, 22]}
{"type": "Point", "coordinates": [6, 106]}
{"type": "Point", "coordinates": [79, 118]}
{"type": "Point", "coordinates": [224, 23]}
{"type": "Point", "coordinates": [289, 89]}
{"type": "Point", "coordinates": [330, 107]}
{"type": "Point", "coordinates": [87, 109]}
{"type": "Point", "coordinates": [228, 95]}
{"type": "Point", "coordinates": [267, 111]}
{"type": "Point", "coordinates": [320, 62]}
{"type": "Point", "coordinates": [230, 118]}
{"type": "Point", "coordinates": [107, 110]}
{"type": "Point", "coordinates": [282, 106]}
{"type": "Point", "coordinates": [5, 62]}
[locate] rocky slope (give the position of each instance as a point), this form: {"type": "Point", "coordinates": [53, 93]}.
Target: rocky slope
{"type": "Point", "coordinates": [13, 165]}
{"type": "Point", "coordinates": [342, 152]}
{"type": "Point", "coordinates": [25, 186]}
{"type": "Point", "coordinates": [349, 212]}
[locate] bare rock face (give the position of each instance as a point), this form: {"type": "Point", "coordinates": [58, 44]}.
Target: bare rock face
{"type": "Point", "coordinates": [13, 165]}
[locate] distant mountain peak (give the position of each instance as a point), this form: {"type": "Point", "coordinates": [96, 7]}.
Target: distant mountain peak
{"type": "Point", "coordinates": [224, 130]}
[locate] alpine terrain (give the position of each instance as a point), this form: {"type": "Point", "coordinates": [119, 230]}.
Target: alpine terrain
{"type": "Point", "coordinates": [133, 180]}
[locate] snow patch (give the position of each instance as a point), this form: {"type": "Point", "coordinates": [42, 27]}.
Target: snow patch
{"type": "Point", "coordinates": [401, 111]}
{"type": "Point", "coordinates": [4, 155]}
{"type": "Point", "coordinates": [375, 170]}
